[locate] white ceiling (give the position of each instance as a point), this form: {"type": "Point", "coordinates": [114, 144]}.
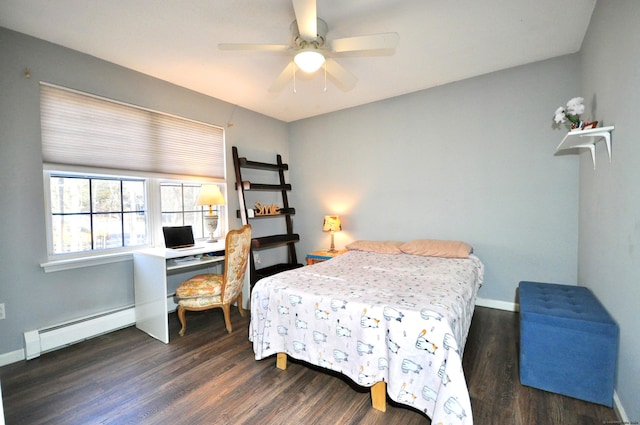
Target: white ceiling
{"type": "Point", "coordinates": [441, 41]}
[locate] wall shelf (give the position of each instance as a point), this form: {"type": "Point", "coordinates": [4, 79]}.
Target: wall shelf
{"type": "Point", "coordinates": [587, 139]}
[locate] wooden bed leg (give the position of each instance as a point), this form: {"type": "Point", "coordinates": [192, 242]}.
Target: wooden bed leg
{"type": "Point", "coordinates": [281, 361]}
{"type": "Point", "coordinates": [379, 396]}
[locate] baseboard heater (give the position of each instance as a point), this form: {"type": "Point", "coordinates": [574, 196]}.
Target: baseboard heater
{"type": "Point", "coordinates": [52, 338]}
{"type": "Point", "coordinates": [40, 341]}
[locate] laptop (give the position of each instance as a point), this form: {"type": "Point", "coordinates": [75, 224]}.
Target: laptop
{"type": "Point", "coordinates": [178, 237]}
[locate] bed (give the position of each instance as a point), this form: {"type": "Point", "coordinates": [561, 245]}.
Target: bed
{"type": "Point", "coordinates": [396, 322]}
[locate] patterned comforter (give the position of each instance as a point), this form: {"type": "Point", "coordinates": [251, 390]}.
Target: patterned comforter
{"type": "Point", "coordinates": [402, 319]}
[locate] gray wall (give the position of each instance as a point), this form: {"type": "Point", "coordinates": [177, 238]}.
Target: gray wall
{"type": "Point", "coordinates": [471, 160]}
{"type": "Point", "coordinates": [35, 299]}
{"type": "Point", "coordinates": [609, 237]}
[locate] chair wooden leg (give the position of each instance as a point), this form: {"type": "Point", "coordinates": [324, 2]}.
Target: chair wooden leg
{"type": "Point", "coordinates": [183, 320]}
{"type": "Point", "coordinates": [226, 308]}
{"type": "Point", "coordinates": [240, 309]}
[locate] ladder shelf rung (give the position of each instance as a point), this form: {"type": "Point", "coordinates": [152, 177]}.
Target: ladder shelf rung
{"type": "Point", "coordinates": [245, 163]}
{"type": "Point", "coordinates": [274, 240]}
{"type": "Point", "coordinates": [281, 212]}
{"type": "Point", "coordinates": [247, 185]}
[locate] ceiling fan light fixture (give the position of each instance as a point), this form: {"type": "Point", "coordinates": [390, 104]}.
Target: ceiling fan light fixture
{"type": "Point", "coordinates": [309, 60]}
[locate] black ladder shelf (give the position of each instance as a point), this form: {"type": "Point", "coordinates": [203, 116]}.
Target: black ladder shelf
{"type": "Point", "coordinates": [265, 242]}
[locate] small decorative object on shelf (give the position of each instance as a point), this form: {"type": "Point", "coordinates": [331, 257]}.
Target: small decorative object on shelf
{"type": "Point", "coordinates": [272, 209]}
{"type": "Point", "coordinates": [571, 113]}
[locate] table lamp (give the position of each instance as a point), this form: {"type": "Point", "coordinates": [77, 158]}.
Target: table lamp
{"type": "Point", "coordinates": [331, 224]}
{"type": "Point", "coordinates": [210, 195]}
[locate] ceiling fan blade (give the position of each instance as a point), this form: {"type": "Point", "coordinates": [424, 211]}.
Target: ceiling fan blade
{"type": "Point", "coordinates": [387, 40]}
{"type": "Point", "coordinates": [306, 16]}
{"type": "Point", "coordinates": [344, 79]}
{"type": "Point", "coordinates": [250, 46]}
{"type": "Point", "coordinates": [283, 78]}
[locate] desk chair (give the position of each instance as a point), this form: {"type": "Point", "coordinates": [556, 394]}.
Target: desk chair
{"type": "Point", "coordinates": [207, 291]}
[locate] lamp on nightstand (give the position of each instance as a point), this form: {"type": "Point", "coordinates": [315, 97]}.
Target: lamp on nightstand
{"type": "Point", "coordinates": [331, 224]}
{"type": "Point", "coordinates": [210, 195]}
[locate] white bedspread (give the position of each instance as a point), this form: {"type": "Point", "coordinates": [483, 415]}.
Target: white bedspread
{"type": "Point", "coordinates": [402, 319]}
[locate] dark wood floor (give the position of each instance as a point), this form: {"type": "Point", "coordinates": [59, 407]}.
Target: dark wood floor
{"type": "Point", "coordinates": [210, 377]}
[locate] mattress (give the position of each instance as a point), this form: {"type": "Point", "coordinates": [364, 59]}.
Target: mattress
{"type": "Point", "coordinates": [402, 319]}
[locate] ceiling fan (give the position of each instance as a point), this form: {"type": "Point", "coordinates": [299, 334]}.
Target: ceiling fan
{"type": "Point", "coordinates": [311, 49]}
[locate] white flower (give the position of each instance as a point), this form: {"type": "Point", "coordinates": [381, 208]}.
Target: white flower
{"type": "Point", "coordinates": [575, 106]}
{"type": "Point", "coordinates": [559, 115]}
{"type": "Point", "coordinates": [571, 112]}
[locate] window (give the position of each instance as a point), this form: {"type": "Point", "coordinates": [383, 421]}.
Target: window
{"type": "Point", "coordinates": [114, 173]}
{"type": "Point", "coordinates": [178, 206]}
{"type": "Point", "coordinates": [94, 213]}
{"type": "Point", "coordinates": [97, 212]}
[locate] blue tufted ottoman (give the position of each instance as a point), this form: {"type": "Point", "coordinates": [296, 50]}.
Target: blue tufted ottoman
{"type": "Point", "coordinates": [568, 342]}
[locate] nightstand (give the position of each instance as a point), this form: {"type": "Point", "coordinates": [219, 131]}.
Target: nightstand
{"type": "Point", "coordinates": [319, 256]}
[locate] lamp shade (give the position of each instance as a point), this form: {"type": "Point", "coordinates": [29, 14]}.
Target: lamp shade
{"type": "Point", "coordinates": [210, 195]}
{"type": "Point", "coordinates": [331, 224]}
{"type": "Point", "coordinates": [309, 60]}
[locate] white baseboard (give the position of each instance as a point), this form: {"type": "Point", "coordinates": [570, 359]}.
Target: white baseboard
{"type": "Point", "coordinates": [497, 304]}
{"type": "Point", "coordinates": [11, 357]}
{"type": "Point", "coordinates": [619, 409]}
{"type": "Point", "coordinates": [1, 408]}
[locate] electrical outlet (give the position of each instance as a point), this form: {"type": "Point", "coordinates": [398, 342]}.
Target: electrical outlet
{"type": "Point", "coordinates": [2, 316]}
{"type": "Point", "coordinates": [256, 258]}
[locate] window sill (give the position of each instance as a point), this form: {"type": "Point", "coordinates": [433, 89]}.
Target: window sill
{"type": "Point", "coordinates": [77, 263]}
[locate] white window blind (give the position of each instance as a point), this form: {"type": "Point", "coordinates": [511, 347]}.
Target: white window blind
{"type": "Point", "coordinates": [87, 130]}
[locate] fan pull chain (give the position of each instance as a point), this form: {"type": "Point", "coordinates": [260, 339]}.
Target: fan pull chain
{"type": "Point", "coordinates": [325, 77]}
{"type": "Point", "coordinates": [294, 79]}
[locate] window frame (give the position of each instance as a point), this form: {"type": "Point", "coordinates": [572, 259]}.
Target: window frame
{"type": "Point", "coordinates": [94, 214]}
{"type": "Point", "coordinates": [152, 184]}
{"type": "Point", "coordinates": [221, 209]}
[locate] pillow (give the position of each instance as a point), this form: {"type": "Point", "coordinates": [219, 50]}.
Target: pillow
{"type": "Point", "coordinates": [381, 247]}
{"type": "Point", "coordinates": [437, 248]}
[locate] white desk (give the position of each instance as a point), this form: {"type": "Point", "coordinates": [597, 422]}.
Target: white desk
{"type": "Point", "coordinates": [150, 268]}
